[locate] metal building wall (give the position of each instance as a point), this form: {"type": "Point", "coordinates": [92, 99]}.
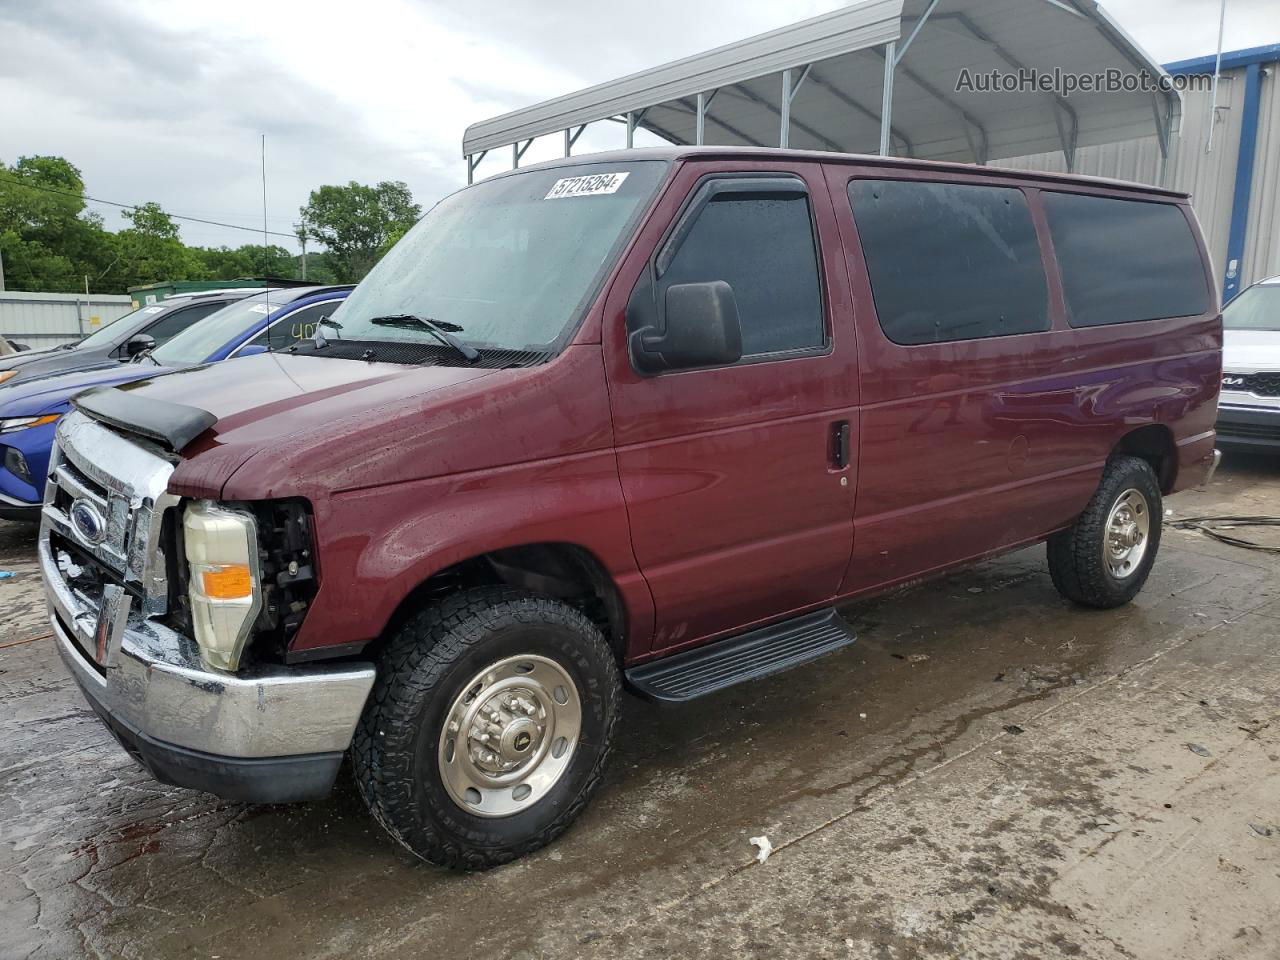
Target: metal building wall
{"type": "Point", "coordinates": [1209, 177]}
{"type": "Point", "coordinates": [44, 320]}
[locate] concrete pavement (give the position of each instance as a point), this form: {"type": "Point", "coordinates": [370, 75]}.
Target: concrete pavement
{"type": "Point", "coordinates": [989, 772]}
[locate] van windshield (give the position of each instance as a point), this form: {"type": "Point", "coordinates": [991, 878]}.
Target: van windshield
{"type": "Point", "coordinates": [507, 264]}
{"type": "Point", "coordinates": [1258, 308]}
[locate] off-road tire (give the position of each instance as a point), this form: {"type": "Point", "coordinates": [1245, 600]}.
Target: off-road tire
{"type": "Point", "coordinates": [424, 667]}
{"type": "Point", "coordinates": [1076, 555]}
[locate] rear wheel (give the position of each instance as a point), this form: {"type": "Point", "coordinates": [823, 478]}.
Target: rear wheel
{"type": "Point", "coordinates": [489, 727]}
{"type": "Point", "coordinates": [1104, 558]}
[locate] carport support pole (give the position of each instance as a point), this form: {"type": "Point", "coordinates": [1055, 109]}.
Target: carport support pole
{"type": "Point", "coordinates": [631, 129]}
{"type": "Point", "coordinates": [886, 104]}
{"type": "Point", "coordinates": [701, 128]}
{"type": "Point", "coordinates": [784, 115]}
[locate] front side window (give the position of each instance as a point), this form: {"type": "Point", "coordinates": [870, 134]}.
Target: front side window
{"type": "Point", "coordinates": [1125, 260]}
{"type": "Point", "coordinates": [295, 328]}
{"type": "Point", "coordinates": [950, 261]}
{"type": "Point", "coordinates": [508, 264]}
{"type": "Point", "coordinates": [762, 245]}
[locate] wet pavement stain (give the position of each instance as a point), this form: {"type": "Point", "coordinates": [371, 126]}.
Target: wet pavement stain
{"type": "Point", "coordinates": [907, 821]}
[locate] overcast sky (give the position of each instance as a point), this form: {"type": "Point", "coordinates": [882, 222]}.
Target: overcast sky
{"type": "Point", "coordinates": [165, 100]}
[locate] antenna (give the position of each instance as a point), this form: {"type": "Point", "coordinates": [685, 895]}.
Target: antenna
{"type": "Point", "coordinates": [265, 242]}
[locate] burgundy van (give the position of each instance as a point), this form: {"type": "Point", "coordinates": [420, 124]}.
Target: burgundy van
{"type": "Point", "coordinates": [641, 420]}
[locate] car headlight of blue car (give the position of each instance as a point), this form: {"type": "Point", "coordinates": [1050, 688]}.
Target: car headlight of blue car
{"type": "Point", "coordinates": [23, 423]}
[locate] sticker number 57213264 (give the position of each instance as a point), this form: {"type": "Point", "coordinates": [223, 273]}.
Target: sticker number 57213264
{"type": "Point", "coordinates": [585, 186]}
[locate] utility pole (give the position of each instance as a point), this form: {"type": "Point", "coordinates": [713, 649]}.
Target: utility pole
{"type": "Point", "coordinates": [300, 230]}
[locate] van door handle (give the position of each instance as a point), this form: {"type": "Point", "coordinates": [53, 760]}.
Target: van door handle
{"type": "Point", "coordinates": [840, 444]}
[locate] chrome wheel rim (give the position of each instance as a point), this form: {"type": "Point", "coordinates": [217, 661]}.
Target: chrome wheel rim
{"type": "Point", "coordinates": [509, 736]}
{"type": "Point", "coordinates": [1127, 534]}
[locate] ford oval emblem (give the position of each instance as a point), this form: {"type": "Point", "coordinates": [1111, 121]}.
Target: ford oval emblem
{"type": "Point", "coordinates": [89, 523]}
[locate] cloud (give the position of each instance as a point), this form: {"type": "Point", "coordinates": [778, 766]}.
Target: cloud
{"type": "Point", "coordinates": [164, 100]}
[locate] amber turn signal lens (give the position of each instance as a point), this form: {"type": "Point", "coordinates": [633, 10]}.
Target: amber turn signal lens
{"type": "Point", "coordinates": [7, 375]}
{"type": "Point", "coordinates": [229, 582]}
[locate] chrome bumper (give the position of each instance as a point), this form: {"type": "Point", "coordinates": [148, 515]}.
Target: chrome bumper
{"type": "Point", "coordinates": [152, 681]}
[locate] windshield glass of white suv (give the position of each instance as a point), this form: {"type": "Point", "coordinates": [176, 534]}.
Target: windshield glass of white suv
{"type": "Point", "coordinates": [1258, 308]}
{"type": "Point", "coordinates": [506, 264]}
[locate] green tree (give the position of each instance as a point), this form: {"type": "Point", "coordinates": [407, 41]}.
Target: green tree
{"type": "Point", "coordinates": [150, 250]}
{"type": "Point", "coordinates": [48, 240]}
{"type": "Point", "coordinates": [358, 223]}
{"type": "Point", "coordinates": [249, 260]}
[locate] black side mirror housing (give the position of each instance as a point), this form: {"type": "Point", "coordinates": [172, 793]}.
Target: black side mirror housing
{"type": "Point", "coordinates": [138, 343]}
{"type": "Point", "coordinates": [702, 329]}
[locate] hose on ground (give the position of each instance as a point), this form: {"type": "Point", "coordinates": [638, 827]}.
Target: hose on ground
{"type": "Point", "coordinates": [1213, 527]}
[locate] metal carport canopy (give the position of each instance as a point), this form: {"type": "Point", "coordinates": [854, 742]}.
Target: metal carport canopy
{"type": "Point", "coordinates": [825, 83]}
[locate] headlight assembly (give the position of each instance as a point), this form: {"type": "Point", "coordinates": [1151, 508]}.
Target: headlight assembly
{"type": "Point", "coordinates": [225, 585]}
{"type": "Point", "coordinates": [23, 423]}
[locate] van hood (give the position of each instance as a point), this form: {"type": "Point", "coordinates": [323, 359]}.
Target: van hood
{"type": "Point", "coordinates": [1251, 351]}
{"type": "Point", "coordinates": [51, 394]}
{"type": "Point", "coordinates": [276, 405]}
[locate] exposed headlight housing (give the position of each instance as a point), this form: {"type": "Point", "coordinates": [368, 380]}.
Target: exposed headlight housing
{"type": "Point", "coordinates": [24, 423]}
{"type": "Point", "coordinates": [225, 584]}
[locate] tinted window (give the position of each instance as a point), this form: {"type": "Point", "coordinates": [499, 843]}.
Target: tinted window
{"type": "Point", "coordinates": [763, 247]}
{"type": "Point", "coordinates": [300, 325]}
{"type": "Point", "coordinates": [1124, 260]}
{"type": "Point", "coordinates": [950, 261]}
{"type": "Point", "coordinates": [174, 323]}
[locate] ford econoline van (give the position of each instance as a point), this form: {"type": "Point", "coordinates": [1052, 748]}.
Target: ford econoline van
{"type": "Point", "coordinates": [640, 421]}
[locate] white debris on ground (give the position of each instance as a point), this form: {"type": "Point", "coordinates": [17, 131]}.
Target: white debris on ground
{"type": "Point", "coordinates": [765, 846]}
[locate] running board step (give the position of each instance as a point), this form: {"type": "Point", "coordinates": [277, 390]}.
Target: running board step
{"type": "Point", "coordinates": [749, 656]}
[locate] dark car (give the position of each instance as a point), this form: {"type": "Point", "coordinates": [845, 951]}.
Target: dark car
{"type": "Point", "coordinates": [639, 420]}
{"type": "Point", "coordinates": [120, 340]}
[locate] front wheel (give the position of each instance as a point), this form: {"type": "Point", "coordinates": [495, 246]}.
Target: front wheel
{"type": "Point", "coordinates": [1104, 558]}
{"type": "Point", "coordinates": [489, 727]}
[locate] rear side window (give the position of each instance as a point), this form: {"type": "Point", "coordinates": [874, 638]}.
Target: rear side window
{"type": "Point", "coordinates": [177, 321]}
{"type": "Point", "coordinates": [763, 247]}
{"type": "Point", "coordinates": [1125, 260]}
{"type": "Point", "coordinates": [950, 261]}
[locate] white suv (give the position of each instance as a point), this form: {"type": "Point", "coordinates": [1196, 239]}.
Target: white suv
{"type": "Point", "coordinates": [1249, 409]}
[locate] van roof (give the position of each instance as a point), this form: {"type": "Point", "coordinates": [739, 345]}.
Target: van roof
{"type": "Point", "coordinates": [830, 157]}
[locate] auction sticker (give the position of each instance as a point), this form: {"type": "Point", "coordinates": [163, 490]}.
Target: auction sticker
{"type": "Point", "coordinates": [586, 186]}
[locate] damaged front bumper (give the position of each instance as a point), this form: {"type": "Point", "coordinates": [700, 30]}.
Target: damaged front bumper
{"type": "Point", "coordinates": [271, 734]}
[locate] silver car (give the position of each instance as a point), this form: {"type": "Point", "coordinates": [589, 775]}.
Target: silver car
{"type": "Point", "coordinates": [1249, 409]}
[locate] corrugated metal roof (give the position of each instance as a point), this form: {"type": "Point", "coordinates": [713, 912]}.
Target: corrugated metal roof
{"type": "Point", "coordinates": [838, 104]}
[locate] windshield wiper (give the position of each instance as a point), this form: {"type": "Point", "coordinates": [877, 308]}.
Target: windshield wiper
{"type": "Point", "coordinates": [440, 329]}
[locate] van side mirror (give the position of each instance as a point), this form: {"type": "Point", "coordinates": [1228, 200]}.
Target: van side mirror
{"type": "Point", "coordinates": [702, 330]}
{"type": "Point", "coordinates": [138, 343]}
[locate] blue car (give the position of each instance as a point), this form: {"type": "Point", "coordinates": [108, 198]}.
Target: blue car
{"type": "Point", "coordinates": [29, 411]}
